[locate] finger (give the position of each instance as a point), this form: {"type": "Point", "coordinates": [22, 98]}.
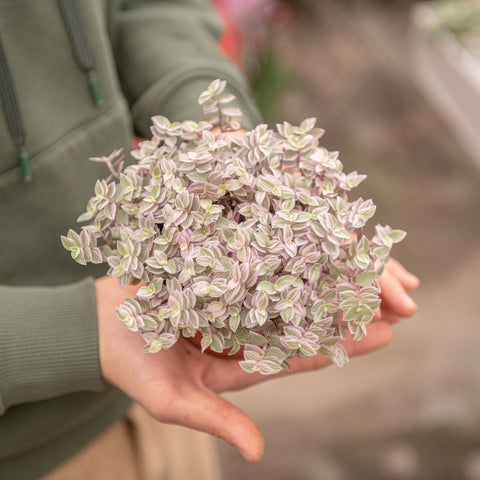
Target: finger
{"type": "Point", "coordinates": [394, 297]}
{"type": "Point", "coordinates": [390, 317]}
{"type": "Point", "coordinates": [227, 374]}
{"type": "Point", "coordinates": [408, 280]}
{"type": "Point", "coordinates": [379, 335]}
{"type": "Point", "coordinates": [204, 410]}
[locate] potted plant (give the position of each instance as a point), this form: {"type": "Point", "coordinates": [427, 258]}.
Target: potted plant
{"type": "Point", "coordinates": [244, 240]}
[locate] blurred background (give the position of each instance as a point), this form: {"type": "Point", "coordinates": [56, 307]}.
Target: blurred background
{"type": "Point", "coordinates": [396, 85]}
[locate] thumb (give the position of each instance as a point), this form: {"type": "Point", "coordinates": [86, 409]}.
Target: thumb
{"type": "Point", "coordinates": [209, 412]}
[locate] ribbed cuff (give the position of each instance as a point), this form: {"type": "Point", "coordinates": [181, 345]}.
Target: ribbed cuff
{"type": "Point", "coordinates": [48, 342]}
{"type": "Point", "coordinates": [177, 99]}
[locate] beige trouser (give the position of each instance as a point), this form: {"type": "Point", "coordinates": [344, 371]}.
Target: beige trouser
{"type": "Point", "coordinates": [139, 448]}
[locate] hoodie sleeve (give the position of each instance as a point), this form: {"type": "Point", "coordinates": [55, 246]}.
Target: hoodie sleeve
{"type": "Point", "coordinates": [49, 345]}
{"type": "Point", "coordinates": [167, 53]}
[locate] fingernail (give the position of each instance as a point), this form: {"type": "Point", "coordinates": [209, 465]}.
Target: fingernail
{"type": "Point", "coordinates": [252, 457]}
{"type": "Point", "coordinates": [410, 302]}
{"type": "Point", "coordinates": [413, 278]}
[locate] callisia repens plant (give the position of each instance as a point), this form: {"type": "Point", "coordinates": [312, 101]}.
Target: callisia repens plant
{"type": "Point", "coordinates": [246, 239]}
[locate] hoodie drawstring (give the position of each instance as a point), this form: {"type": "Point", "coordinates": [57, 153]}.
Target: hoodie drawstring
{"type": "Point", "coordinates": [82, 53]}
{"type": "Point", "coordinates": [80, 47]}
{"type": "Point", "coordinates": [13, 114]}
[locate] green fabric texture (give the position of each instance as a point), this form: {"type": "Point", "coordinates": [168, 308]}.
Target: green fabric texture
{"type": "Point", "coordinates": [41, 371]}
{"type": "Point", "coordinates": [151, 57]}
{"type": "Point", "coordinates": [181, 58]}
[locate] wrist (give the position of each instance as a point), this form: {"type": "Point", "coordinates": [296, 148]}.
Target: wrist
{"type": "Point", "coordinates": [111, 331]}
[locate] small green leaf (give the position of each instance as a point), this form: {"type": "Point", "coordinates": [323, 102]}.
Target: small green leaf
{"type": "Point", "coordinates": [234, 322]}
{"type": "Point", "coordinates": [366, 278]}
{"type": "Point", "coordinates": [256, 339]}
{"type": "Point", "coordinates": [397, 235]}
{"type": "Point", "coordinates": [284, 281]}
{"type": "Point", "coordinates": [267, 287]}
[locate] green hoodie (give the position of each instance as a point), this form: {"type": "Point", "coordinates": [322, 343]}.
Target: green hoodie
{"type": "Point", "coordinates": [150, 57]}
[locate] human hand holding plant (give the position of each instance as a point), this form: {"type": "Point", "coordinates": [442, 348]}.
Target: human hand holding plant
{"type": "Point", "coordinates": [247, 239]}
{"type": "Point", "coordinates": [181, 385]}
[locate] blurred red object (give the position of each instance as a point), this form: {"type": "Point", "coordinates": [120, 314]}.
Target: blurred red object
{"type": "Point", "coordinates": [232, 41]}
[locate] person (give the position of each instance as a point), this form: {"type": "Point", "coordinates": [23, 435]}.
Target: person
{"type": "Point", "coordinates": [78, 78]}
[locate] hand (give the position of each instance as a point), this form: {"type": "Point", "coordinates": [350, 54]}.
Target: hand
{"type": "Point", "coordinates": [181, 385]}
{"type": "Point", "coordinates": [395, 282]}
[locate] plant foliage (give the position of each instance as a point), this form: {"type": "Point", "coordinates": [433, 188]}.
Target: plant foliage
{"type": "Point", "coordinates": [246, 238]}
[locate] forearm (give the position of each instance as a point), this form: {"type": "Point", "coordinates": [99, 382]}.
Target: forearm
{"type": "Point", "coordinates": [48, 342]}
{"type": "Point", "coordinates": [167, 53]}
